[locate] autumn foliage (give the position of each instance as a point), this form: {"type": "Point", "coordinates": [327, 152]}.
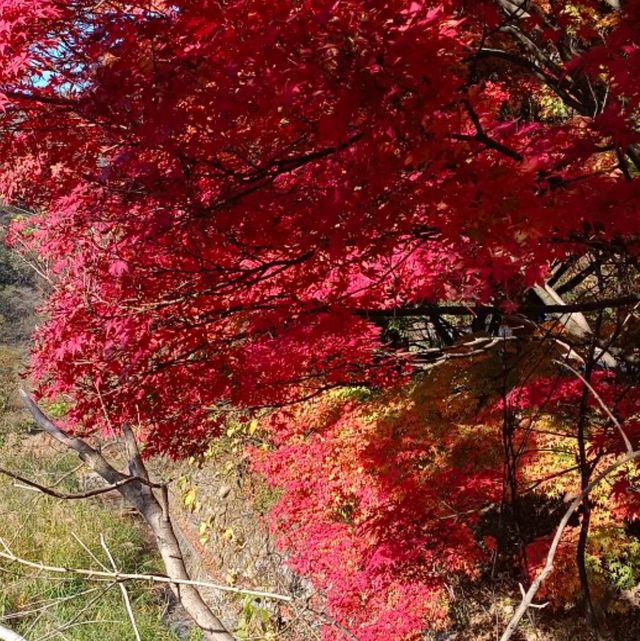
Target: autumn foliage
{"type": "Point", "coordinates": [329, 212]}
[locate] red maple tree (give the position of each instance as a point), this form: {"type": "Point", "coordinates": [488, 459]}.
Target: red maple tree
{"type": "Point", "coordinates": [245, 205]}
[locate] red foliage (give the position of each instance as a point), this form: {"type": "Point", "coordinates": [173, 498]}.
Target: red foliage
{"type": "Point", "coordinates": [379, 503]}
{"type": "Point", "coordinates": [222, 189]}
{"type": "Point", "coordinates": [230, 195]}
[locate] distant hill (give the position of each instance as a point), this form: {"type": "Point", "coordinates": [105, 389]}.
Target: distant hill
{"type": "Point", "coordinates": [20, 292]}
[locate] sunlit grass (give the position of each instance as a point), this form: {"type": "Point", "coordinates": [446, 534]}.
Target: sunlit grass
{"type": "Point", "coordinates": [41, 605]}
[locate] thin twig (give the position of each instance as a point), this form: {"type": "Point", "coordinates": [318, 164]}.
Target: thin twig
{"type": "Point", "coordinates": [98, 575]}
{"type": "Point", "coordinates": [123, 589]}
{"type": "Point", "coordinates": [37, 608]}
{"type": "Point", "coordinates": [88, 551]}
{"type": "Point", "coordinates": [75, 618]}
{"type": "Point", "coordinates": [525, 604]}
{"type": "Point", "coordinates": [28, 484]}
{"type": "Point", "coordinates": [602, 404]}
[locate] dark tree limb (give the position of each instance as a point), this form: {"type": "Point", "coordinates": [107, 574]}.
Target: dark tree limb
{"type": "Point", "coordinates": [56, 494]}
{"type": "Point", "coordinates": [474, 310]}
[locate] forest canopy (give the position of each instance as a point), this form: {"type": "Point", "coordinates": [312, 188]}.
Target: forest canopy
{"type": "Point", "coordinates": [402, 236]}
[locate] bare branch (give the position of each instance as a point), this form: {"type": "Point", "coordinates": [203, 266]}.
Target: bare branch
{"type": "Point", "coordinates": [90, 554]}
{"type": "Point", "coordinates": [8, 635]}
{"type": "Point", "coordinates": [602, 404]}
{"type": "Point", "coordinates": [89, 455]}
{"type": "Point", "coordinates": [32, 485]}
{"type": "Point", "coordinates": [137, 492]}
{"type": "Point", "coordinates": [473, 310]}
{"type": "Point", "coordinates": [527, 599]}
{"type": "Point", "coordinates": [123, 589]}
{"type": "Point", "coordinates": [102, 575]}
{"type": "Point", "coordinates": [40, 609]}
{"type": "Point", "coordinates": [135, 460]}
{"type": "Point", "coordinates": [75, 619]}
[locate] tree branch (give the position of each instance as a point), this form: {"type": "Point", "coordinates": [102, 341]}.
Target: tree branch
{"type": "Point", "coordinates": [474, 310]}
{"type": "Point", "coordinates": [9, 635]}
{"type": "Point", "coordinates": [602, 404]}
{"type": "Point", "coordinates": [527, 599]}
{"type": "Point", "coordinates": [102, 575]}
{"type": "Point", "coordinates": [62, 495]}
{"type": "Point", "coordinates": [137, 492]}
{"type": "Point", "coordinates": [123, 589]}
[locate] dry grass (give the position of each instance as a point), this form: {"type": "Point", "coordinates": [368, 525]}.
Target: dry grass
{"type": "Point", "coordinates": [67, 534]}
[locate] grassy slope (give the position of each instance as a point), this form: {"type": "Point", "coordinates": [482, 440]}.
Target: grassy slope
{"type": "Point", "coordinates": [39, 605]}
{"type": "Point", "coordinates": [39, 528]}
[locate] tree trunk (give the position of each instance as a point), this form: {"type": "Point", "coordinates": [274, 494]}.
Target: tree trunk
{"type": "Point", "coordinates": [8, 635]}
{"type": "Point", "coordinates": [140, 493]}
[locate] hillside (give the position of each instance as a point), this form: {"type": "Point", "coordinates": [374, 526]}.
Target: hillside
{"type": "Point", "coordinates": [20, 291]}
{"type": "Point", "coordinates": [44, 529]}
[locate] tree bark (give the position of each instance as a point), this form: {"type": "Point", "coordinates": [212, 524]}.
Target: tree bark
{"type": "Point", "coordinates": [138, 492]}
{"type": "Point", "coordinates": [8, 635]}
